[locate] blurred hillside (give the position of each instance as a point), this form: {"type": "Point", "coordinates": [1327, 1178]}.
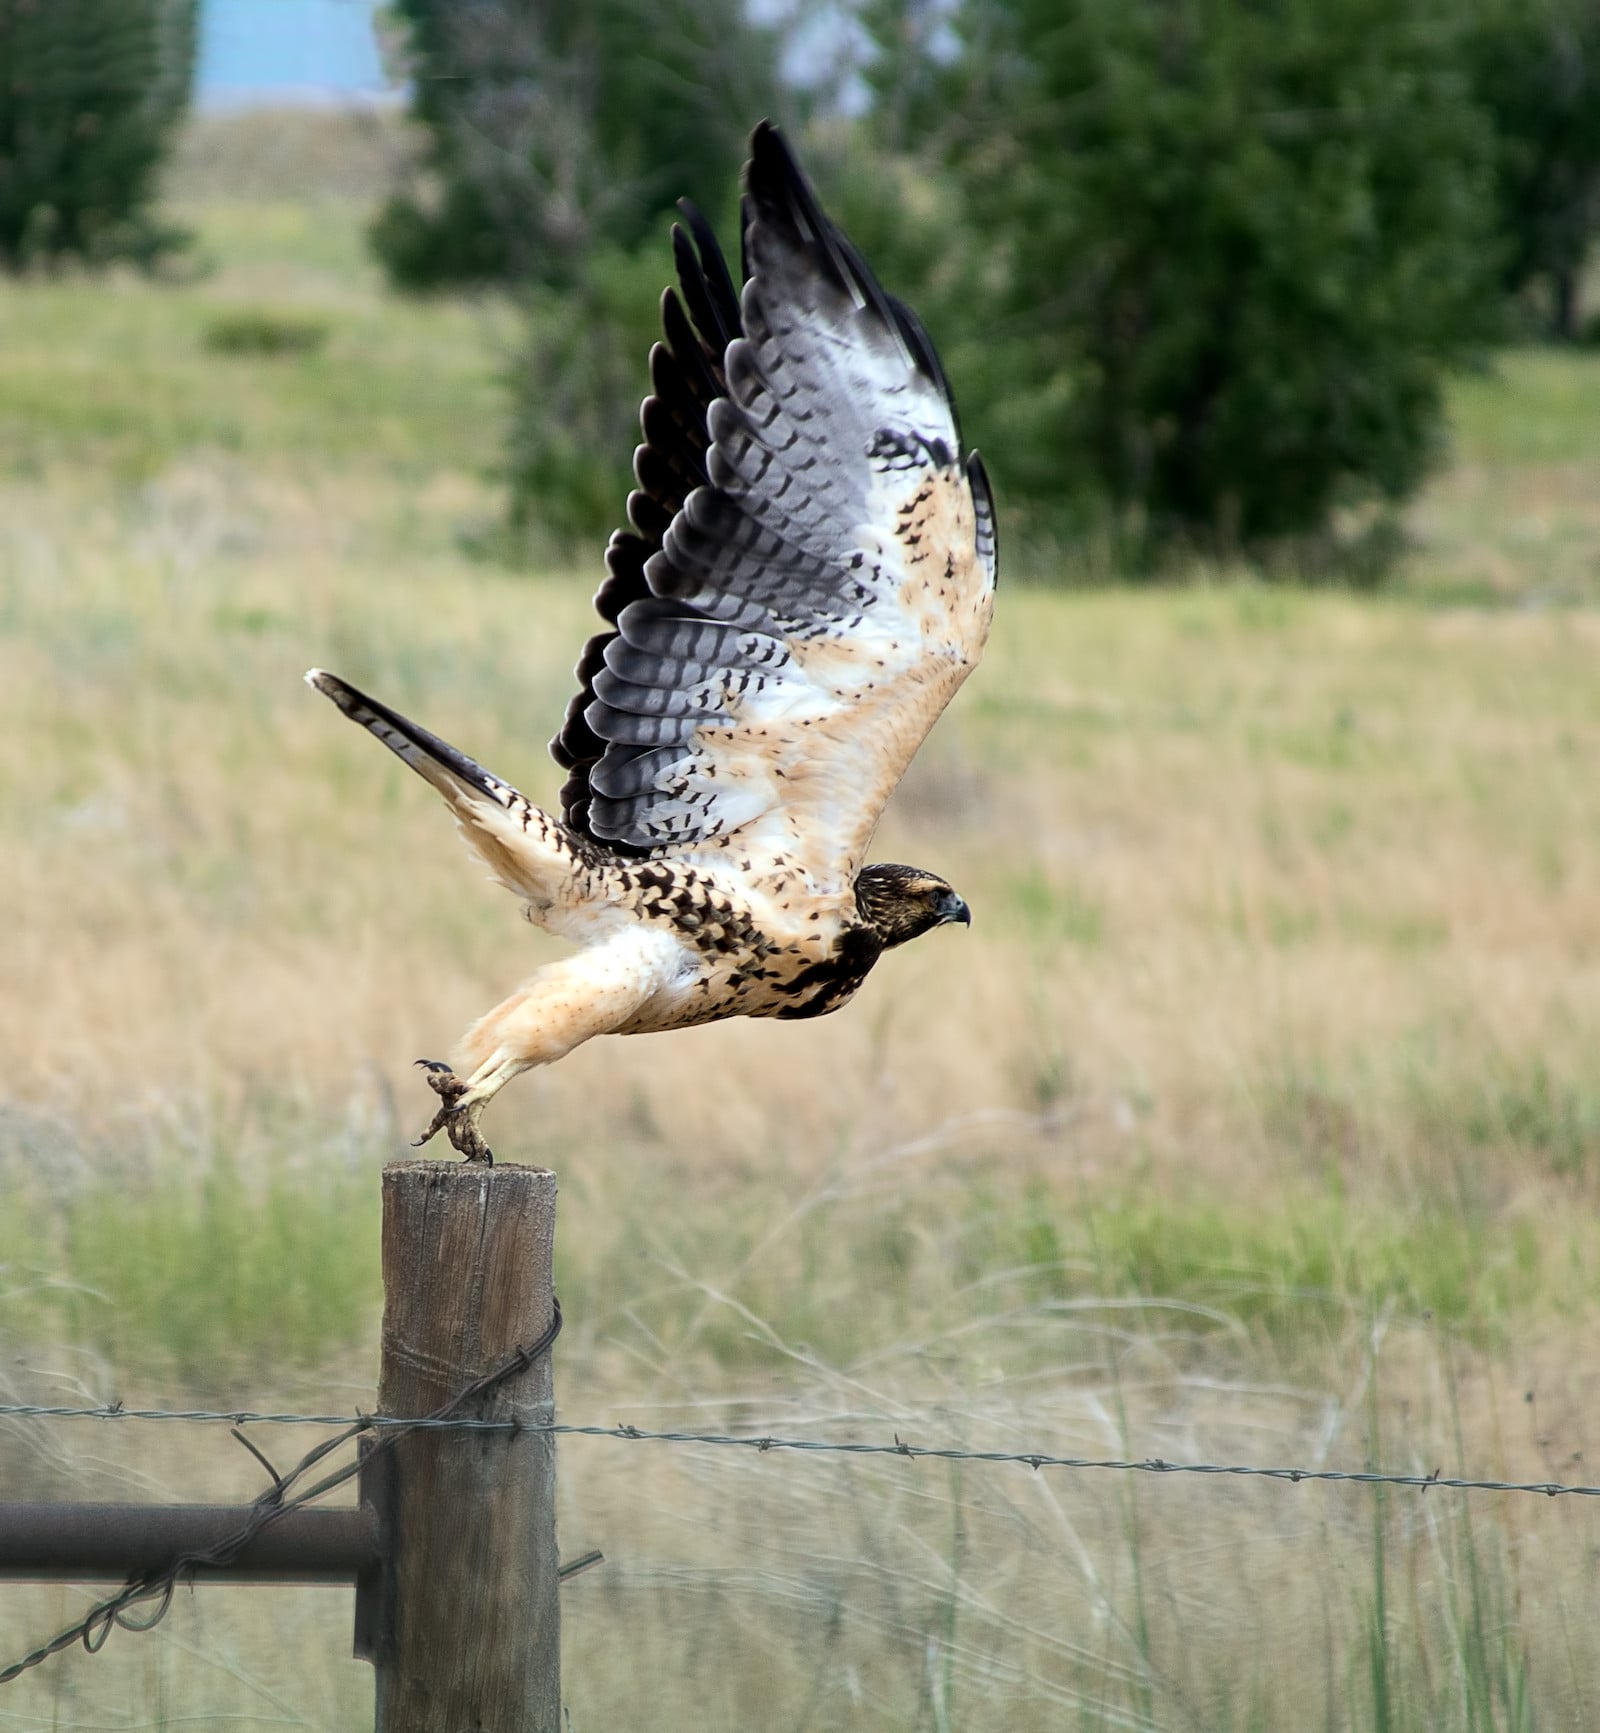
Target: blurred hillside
{"type": "Point", "coordinates": [261, 154]}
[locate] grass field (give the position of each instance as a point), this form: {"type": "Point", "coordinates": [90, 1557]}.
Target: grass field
{"type": "Point", "coordinates": [1256, 1119]}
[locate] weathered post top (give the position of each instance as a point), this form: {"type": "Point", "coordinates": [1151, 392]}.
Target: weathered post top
{"type": "Point", "coordinates": [469, 1629]}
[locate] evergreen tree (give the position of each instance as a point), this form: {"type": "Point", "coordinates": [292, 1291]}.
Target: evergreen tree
{"type": "Point", "coordinates": [1536, 67]}
{"type": "Point", "coordinates": [554, 130]}
{"type": "Point", "coordinates": [559, 139]}
{"type": "Point", "coordinates": [90, 94]}
{"type": "Point", "coordinates": [1225, 253]}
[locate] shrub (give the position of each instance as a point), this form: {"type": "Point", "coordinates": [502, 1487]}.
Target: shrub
{"type": "Point", "coordinates": [558, 139]}
{"type": "Point", "coordinates": [90, 94]}
{"type": "Point", "coordinates": [254, 331]}
{"type": "Point", "coordinates": [576, 386]}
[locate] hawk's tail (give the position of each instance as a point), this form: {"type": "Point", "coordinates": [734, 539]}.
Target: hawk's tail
{"type": "Point", "coordinates": [523, 847]}
{"type": "Point", "coordinates": [450, 771]}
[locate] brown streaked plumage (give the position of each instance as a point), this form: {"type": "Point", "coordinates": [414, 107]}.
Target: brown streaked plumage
{"type": "Point", "coordinates": [808, 579]}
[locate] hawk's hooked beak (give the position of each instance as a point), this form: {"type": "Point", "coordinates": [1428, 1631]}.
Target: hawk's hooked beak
{"type": "Point", "coordinates": [951, 908]}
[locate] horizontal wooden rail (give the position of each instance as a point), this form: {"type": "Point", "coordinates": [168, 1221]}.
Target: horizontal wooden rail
{"type": "Point", "coordinates": [116, 1542]}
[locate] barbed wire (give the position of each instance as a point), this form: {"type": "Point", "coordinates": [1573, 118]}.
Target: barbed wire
{"type": "Point", "coordinates": [763, 1443]}
{"type": "Point", "coordinates": [94, 1629]}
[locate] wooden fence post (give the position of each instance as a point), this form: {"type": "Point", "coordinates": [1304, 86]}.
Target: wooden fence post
{"type": "Point", "coordinates": [466, 1631]}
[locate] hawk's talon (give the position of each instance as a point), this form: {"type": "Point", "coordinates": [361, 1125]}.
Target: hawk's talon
{"type": "Point", "coordinates": [458, 1122]}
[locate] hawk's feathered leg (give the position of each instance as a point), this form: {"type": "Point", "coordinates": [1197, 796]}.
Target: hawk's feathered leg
{"type": "Point", "coordinates": [598, 992]}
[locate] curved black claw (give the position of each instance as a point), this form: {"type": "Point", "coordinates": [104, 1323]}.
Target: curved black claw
{"type": "Point", "coordinates": [434, 1128]}
{"type": "Point", "coordinates": [442, 1080]}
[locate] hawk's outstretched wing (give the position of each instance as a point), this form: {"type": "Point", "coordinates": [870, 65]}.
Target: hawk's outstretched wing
{"type": "Point", "coordinates": [811, 570]}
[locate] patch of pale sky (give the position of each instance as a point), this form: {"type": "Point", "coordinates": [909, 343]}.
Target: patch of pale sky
{"type": "Point", "coordinates": [257, 51]}
{"type": "Point", "coordinates": [260, 50]}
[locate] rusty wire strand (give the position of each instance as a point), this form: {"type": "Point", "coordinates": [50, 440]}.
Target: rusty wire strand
{"type": "Point", "coordinates": [116, 1611]}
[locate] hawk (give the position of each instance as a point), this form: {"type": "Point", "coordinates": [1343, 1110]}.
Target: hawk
{"type": "Point", "coordinates": [808, 579]}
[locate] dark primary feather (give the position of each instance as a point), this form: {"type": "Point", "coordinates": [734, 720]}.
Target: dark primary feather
{"type": "Point", "coordinates": [702, 270]}
{"type": "Point", "coordinates": [686, 375]}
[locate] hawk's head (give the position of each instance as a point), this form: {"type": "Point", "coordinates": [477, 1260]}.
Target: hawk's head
{"type": "Point", "coordinates": [902, 902]}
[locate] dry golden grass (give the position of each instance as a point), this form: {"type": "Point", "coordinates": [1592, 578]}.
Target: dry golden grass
{"type": "Point", "coordinates": [1280, 1008]}
{"type": "Point", "coordinates": [1239, 859]}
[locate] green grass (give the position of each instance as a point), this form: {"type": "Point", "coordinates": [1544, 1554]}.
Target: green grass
{"type": "Point", "coordinates": [1555, 421]}
{"type": "Point", "coordinates": [206, 1271]}
{"type": "Point", "coordinates": [393, 391]}
{"type": "Point", "coordinates": [125, 381]}
{"type": "Point", "coordinates": [200, 1274]}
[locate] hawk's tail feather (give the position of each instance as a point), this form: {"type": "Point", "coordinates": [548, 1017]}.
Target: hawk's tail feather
{"type": "Point", "coordinates": [450, 771]}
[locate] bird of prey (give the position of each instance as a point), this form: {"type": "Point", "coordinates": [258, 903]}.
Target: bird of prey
{"type": "Point", "coordinates": [808, 578]}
